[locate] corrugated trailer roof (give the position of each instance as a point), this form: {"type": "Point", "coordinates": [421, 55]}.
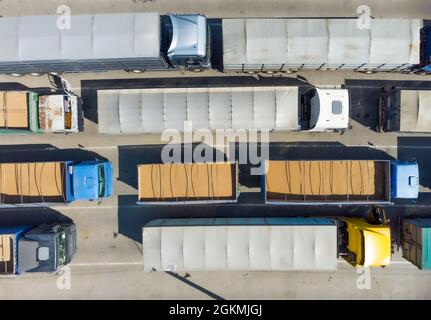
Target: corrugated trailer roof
{"type": "Point", "coordinates": [32, 182]}
{"type": "Point", "coordinates": [310, 43]}
{"type": "Point", "coordinates": [99, 36]}
{"type": "Point", "coordinates": [155, 110]}
{"type": "Point", "coordinates": [415, 107]}
{"type": "Point", "coordinates": [326, 181]}
{"type": "Point", "coordinates": [240, 244]}
{"type": "Point", "coordinates": [187, 182]}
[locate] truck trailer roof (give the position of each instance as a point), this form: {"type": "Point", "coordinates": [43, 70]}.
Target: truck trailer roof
{"type": "Point", "coordinates": [323, 181]}
{"type": "Point", "coordinates": [155, 110]}
{"type": "Point", "coordinates": [14, 110]}
{"type": "Point", "coordinates": [34, 182]}
{"type": "Point", "coordinates": [278, 44]}
{"type": "Point", "coordinates": [184, 182]}
{"type": "Point", "coordinates": [240, 244]}
{"type": "Point", "coordinates": [30, 41]}
{"type": "Point", "coordinates": [414, 112]}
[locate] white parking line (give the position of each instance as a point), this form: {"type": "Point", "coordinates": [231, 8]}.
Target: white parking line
{"type": "Point", "coordinates": [138, 263]}
{"type": "Point", "coordinates": [103, 264]}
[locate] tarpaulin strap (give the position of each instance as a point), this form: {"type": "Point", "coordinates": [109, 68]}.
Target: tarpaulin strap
{"type": "Point", "coordinates": [39, 191]}
{"type": "Point", "coordinates": [40, 179]}
{"type": "Point", "coordinates": [4, 109]}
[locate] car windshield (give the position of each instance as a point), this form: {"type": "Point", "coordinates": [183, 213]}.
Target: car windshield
{"type": "Point", "coordinates": [61, 248]}
{"type": "Point", "coordinates": [101, 181]}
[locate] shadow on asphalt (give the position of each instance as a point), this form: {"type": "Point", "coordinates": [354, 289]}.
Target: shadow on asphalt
{"type": "Point", "coordinates": [30, 216]}
{"type": "Point", "coordinates": [44, 152]}
{"type": "Point", "coordinates": [131, 217]}
{"type": "Point", "coordinates": [130, 156]}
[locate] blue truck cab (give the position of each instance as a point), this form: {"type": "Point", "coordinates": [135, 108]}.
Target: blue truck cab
{"type": "Point", "coordinates": [89, 180]}
{"type": "Point", "coordinates": [425, 50]}
{"type": "Point", "coordinates": [41, 248]}
{"type": "Point", "coordinates": [54, 182]}
{"type": "Point", "coordinates": [404, 180]}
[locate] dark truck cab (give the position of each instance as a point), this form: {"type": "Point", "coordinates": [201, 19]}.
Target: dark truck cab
{"type": "Point", "coordinates": [42, 248]}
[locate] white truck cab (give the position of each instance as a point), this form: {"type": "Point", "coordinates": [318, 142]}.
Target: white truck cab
{"type": "Point", "coordinates": [325, 110]}
{"type": "Point", "coordinates": [189, 46]}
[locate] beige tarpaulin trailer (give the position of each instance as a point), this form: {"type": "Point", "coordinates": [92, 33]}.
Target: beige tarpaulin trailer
{"type": "Point", "coordinates": [31, 182]}
{"type": "Point", "coordinates": [292, 44]}
{"type": "Point", "coordinates": [187, 182]}
{"type": "Point", "coordinates": [327, 181]}
{"type": "Point", "coordinates": [14, 110]}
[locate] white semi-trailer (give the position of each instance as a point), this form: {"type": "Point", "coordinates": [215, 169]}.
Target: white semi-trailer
{"type": "Point", "coordinates": [278, 108]}
{"type": "Point", "coordinates": [240, 244]}
{"type": "Point", "coordinates": [254, 45]}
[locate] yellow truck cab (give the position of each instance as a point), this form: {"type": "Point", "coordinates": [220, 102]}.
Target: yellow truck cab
{"type": "Point", "coordinates": [365, 243]}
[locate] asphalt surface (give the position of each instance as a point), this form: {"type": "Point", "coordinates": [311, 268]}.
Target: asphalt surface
{"type": "Point", "coordinates": [108, 264]}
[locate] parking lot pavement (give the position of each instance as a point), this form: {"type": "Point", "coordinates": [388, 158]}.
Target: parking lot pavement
{"type": "Point", "coordinates": [108, 263]}
{"type": "Point", "coordinates": [227, 8]}
{"type": "Point", "coordinates": [126, 280]}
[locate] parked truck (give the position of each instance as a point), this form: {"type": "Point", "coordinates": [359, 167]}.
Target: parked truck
{"type": "Point", "coordinates": [27, 111]}
{"type": "Point", "coordinates": [279, 108]}
{"type": "Point", "coordinates": [187, 183]}
{"type": "Point", "coordinates": [416, 242]}
{"type": "Point", "coordinates": [102, 42]}
{"type": "Point", "coordinates": [263, 244]}
{"type": "Point", "coordinates": [319, 182]}
{"type": "Point", "coordinates": [50, 183]}
{"type": "Point", "coordinates": [41, 248]}
{"type": "Point", "coordinates": [403, 110]}
{"type": "Point", "coordinates": [55, 110]}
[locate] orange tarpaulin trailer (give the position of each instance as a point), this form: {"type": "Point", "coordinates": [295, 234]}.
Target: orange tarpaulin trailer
{"type": "Point", "coordinates": [187, 182]}
{"type": "Point", "coordinates": [32, 182]}
{"type": "Point", "coordinates": [327, 181]}
{"type": "Point", "coordinates": [14, 110]}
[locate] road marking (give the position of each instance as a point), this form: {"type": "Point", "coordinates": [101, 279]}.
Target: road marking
{"type": "Point", "coordinates": [138, 263]}
{"type": "Point", "coordinates": [341, 261]}
{"type": "Point", "coordinates": [103, 264]}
